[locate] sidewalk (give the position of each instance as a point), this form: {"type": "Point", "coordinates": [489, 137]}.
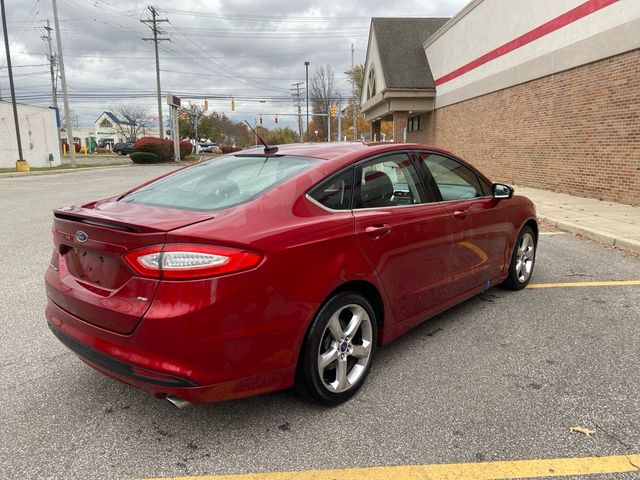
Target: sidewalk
{"type": "Point", "coordinates": [607, 222]}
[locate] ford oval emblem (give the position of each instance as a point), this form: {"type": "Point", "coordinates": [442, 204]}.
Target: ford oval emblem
{"type": "Point", "coordinates": [81, 236]}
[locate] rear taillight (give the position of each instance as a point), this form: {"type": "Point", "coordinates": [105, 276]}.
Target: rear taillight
{"type": "Point", "coordinates": [186, 261]}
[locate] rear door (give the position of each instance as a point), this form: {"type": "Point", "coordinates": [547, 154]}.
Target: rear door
{"type": "Point", "coordinates": [480, 222]}
{"type": "Point", "coordinates": [406, 239]}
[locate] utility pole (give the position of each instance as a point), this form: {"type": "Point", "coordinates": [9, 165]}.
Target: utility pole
{"type": "Point", "coordinates": [296, 96]}
{"type": "Point", "coordinates": [54, 86]}
{"type": "Point", "coordinates": [11, 86]}
{"type": "Point", "coordinates": [353, 102]}
{"type": "Point", "coordinates": [52, 65]}
{"type": "Point", "coordinates": [339, 118]}
{"type": "Point", "coordinates": [153, 25]}
{"type": "Point", "coordinates": [195, 124]}
{"type": "Point", "coordinates": [306, 66]}
{"type": "Point", "coordinates": [63, 80]}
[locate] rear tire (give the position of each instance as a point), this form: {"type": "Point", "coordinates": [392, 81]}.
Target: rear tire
{"type": "Point", "coordinates": [338, 350]}
{"type": "Point", "coordinates": [522, 261]}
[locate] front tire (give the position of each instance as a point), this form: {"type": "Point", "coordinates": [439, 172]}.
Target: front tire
{"type": "Point", "coordinates": [338, 351]}
{"type": "Point", "coordinates": [522, 261]}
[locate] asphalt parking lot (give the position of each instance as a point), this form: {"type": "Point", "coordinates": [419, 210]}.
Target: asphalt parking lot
{"type": "Point", "coordinates": [502, 377]}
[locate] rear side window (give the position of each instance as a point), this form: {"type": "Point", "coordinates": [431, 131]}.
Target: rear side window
{"type": "Point", "coordinates": [335, 193]}
{"type": "Point", "coordinates": [221, 182]}
{"type": "Point", "coordinates": [389, 181]}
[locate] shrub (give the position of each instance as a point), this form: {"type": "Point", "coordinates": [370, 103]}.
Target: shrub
{"type": "Point", "coordinates": [163, 149]}
{"type": "Point", "coordinates": [228, 149]}
{"type": "Point", "coordinates": [144, 157]}
{"type": "Point", "coordinates": [185, 149]}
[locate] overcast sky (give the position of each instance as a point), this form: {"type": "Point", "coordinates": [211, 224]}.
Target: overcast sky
{"type": "Point", "coordinates": [252, 51]}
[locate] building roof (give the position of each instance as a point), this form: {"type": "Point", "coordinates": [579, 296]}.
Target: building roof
{"type": "Point", "coordinates": [404, 62]}
{"type": "Point", "coordinates": [116, 120]}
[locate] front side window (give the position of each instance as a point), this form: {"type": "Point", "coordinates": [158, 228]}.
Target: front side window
{"type": "Point", "coordinates": [222, 182]}
{"type": "Point", "coordinates": [389, 181]}
{"type": "Point", "coordinates": [335, 193]}
{"type": "Point", "coordinates": [454, 180]}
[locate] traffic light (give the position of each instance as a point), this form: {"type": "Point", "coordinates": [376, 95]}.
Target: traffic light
{"type": "Point", "coordinates": [183, 116]}
{"type": "Point", "coordinates": [233, 105]}
{"type": "Point", "coordinates": [333, 110]}
{"type": "Point", "coordinates": [276, 118]}
{"type": "Point", "coordinates": [206, 105]}
{"type": "Point", "coordinates": [260, 118]}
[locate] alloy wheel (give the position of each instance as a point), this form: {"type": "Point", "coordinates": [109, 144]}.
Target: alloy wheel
{"type": "Point", "coordinates": [345, 348]}
{"type": "Point", "coordinates": [524, 257]}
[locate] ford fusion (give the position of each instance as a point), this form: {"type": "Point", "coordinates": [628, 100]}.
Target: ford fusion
{"type": "Point", "coordinates": [256, 272]}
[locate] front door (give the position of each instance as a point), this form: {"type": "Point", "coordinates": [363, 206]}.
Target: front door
{"type": "Point", "coordinates": [479, 222]}
{"type": "Point", "coordinates": [406, 239]}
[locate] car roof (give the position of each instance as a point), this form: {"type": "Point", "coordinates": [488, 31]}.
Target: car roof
{"type": "Point", "coordinates": [338, 150]}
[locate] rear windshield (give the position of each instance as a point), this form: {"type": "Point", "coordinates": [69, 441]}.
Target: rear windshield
{"type": "Point", "coordinates": [221, 182]}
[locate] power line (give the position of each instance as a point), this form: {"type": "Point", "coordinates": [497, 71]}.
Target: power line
{"type": "Point", "coordinates": [221, 66]}
{"type": "Point", "coordinates": [26, 66]}
{"type": "Point", "coordinates": [31, 18]}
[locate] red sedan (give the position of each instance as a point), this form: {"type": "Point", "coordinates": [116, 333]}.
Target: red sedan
{"type": "Point", "coordinates": [255, 272]}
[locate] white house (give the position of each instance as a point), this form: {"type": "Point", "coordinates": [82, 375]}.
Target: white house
{"type": "Point", "coordinates": [107, 130]}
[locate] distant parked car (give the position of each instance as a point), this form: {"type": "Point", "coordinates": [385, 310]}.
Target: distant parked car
{"type": "Point", "coordinates": [207, 147]}
{"type": "Point", "coordinates": [123, 148]}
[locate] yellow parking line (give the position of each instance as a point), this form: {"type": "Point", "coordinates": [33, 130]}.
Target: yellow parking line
{"type": "Point", "coordinates": [558, 467]}
{"type": "Point", "coordinates": [584, 284]}
{"type": "Point", "coordinates": [549, 234]}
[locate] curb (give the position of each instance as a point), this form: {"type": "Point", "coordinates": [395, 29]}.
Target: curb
{"type": "Point", "coordinates": [594, 234]}
{"type": "Point", "coordinates": [97, 167]}
{"type": "Point", "coordinates": [55, 172]}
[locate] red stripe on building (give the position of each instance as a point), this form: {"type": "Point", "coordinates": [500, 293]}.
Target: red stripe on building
{"type": "Point", "coordinates": [557, 23]}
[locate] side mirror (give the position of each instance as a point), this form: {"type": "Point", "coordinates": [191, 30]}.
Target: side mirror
{"type": "Point", "coordinates": [501, 191]}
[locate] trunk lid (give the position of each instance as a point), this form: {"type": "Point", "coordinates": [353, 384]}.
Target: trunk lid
{"type": "Point", "coordinates": [88, 276]}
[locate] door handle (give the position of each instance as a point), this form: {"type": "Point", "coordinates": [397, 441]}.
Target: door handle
{"type": "Point", "coordinates": [377, 231]}
{"type": "Point", "coordinates": [461, 213]}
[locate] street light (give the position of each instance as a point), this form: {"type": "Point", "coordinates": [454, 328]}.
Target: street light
{"type": "Point", "coordinates": [306, 66]}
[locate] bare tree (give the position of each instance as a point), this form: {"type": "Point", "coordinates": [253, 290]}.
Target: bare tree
{"type": "Point", "coordinates": [322, 93]}
{"type": "Point", "coordinates": [134, 119]}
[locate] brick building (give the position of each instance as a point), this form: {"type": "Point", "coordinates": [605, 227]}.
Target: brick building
{"type": "Point", "coordinates": [543, 94]}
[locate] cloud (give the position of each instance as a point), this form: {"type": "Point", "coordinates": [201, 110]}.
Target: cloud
{"type": "Point", "coordinates": [251, 50]}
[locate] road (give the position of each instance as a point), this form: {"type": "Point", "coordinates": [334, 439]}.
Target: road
{"type": "Point", "coordinates": [501, 377]}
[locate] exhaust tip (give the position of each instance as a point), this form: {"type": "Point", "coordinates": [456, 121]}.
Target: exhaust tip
{"type": "Point", "coordinates": [177, 402]}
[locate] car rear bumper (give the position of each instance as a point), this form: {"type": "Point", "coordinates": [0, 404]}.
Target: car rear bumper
{"type": "Point", "coordinates": [117, 367]}
{"type": "Point", "coordinates": [124, 358]}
